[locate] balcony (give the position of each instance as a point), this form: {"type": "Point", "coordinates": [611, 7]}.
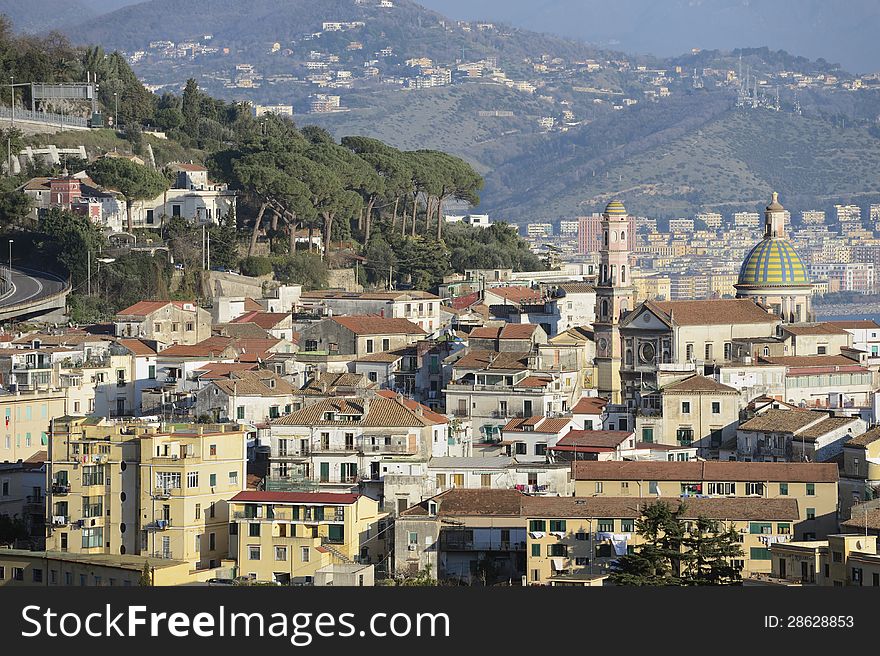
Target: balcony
{"type": "Point", "coordinates": [59, 520]}
{"type": "Point", "coordinates": [61, 489]}
{"type": "Point", "coordinates": [159, 525]}
{"type": "Point", "coordinates": [163, 555]}
{"type": "Point", "coordinates": [162, 493]}
{"type": "Point", "coordinates": [463, 544]}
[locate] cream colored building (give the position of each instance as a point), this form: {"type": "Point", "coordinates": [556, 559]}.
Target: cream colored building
{"type": "Point", "coordinates": [135, 488]}
{"type": "Point", "coordinates": [840, 561]}
{"type": "Point", "coordinates": [286, 537]}
{"type": "Point", "coordinates": [813, 485]}
{"type": "Point", "coordinates": [26, 417]}
{"type": "Point", "coordinates": [167, 322]}
{"type": "Point", "coordinates": [576, 538]}
{"type": "Point", "coordinates": [65, 569]}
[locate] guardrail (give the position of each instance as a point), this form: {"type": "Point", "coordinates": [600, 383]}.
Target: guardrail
{"type": "Point", "coordinates": [48, 118]}
{"type": "Point", "coordinates": [38, 300]}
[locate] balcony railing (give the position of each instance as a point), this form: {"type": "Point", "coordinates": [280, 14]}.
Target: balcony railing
{"type": "Point", "coordinates": [165, 555]}
{"type": "Point", "coordinates": [162, 493]}
{"type": "Point", "coordinates": [61, 488]}
{"type": "Point", "coordinates": [455, 544]}
{"type": "Point", "coordinates": [160, 525]}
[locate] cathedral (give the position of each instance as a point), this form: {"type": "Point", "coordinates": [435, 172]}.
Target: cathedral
{"type": "Point", "coordinates": [773, 274]}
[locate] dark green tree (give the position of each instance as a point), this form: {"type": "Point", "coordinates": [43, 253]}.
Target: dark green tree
{"type": "Point", "coordinates": [134, 181]}
{"type": "Point", "coordinates": [657, 561]}
{"type": "Point", "coordinates": [713, 554]}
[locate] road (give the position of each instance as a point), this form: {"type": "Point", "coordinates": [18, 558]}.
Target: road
{"type": "Point", "coordinates": [29, 286]}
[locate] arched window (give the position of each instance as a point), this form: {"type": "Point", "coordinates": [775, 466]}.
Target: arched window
{"type": "Point", "coordinates": [604, 309]}
{"type": "Point", "coordinates": [606, 237]}
{"type": "Point", "coordinates": [614, 235]}
{"type": "Point", "coordinates": [613, 274]}
{"type": "Point", "coordinates": [629, 358]}
{"type": "Point", "coordinates": [766, 351]}
{"type": "Point", "coordinates": [623, 235]}
{"type": "Point", "coordinates": [623, 274]}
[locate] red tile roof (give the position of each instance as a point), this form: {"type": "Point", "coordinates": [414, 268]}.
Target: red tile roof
{"type": "Point", "coordinates": [376, 325]}
{"type": "Point", "coordinates": [551, 425]}
{"type": "Point", "coordinates": [590, 405]}
{"type": "Point", "coordinates": [516, 294]}
{"type": "Point", "coordinates": [463, 302]}
{"type": "Point", "coordinates": [330, 498]}
{"type": "Point", "coordinates": [592, 438]}
{"type": "Point", "coordinates": [143, 308]}
{"type": "Point", "coordinates": [713, 312]}
{"type": "Point", "coordinates": [265, 320]}
{"type": "Point", "coordinates": [792, 472]}
{"type": "Point", "coordinates": [858, 324]}
{"type": "Point", "coordinates": [214, 370]}
{"type": "Point", "coordinates": [137, 347]}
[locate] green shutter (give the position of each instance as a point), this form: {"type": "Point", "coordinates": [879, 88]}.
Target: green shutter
{"type": "Point", "coordinates": [760, 553]}
{"type": "Point", "coordinates": [536, 550]}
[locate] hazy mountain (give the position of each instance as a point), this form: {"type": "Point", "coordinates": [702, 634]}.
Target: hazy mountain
{"type": "Point", "coordinates": [843, 32]}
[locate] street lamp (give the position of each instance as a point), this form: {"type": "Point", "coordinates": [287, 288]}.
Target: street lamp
{"type": "Point", "coordinates": [10, 257]}
{"type": "Point", "coordinates": [12, 89]}
{"type": "Point", "coordinates": [116, 113]}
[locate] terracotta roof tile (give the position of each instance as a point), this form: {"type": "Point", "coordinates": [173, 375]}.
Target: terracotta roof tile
{"type": "Point", "coordinates": [144, 308]}
{"type": "Point", "coordinates": [865, 439]}
{"type": "Point", "coordinates": [783, 421]}
{"type": "Point", "coordinates": [376, 325]}
{"type": "Point", "coordinates": [265, 320]}
{"type": "Point", "coordinates": [590, 405]}
{"type": "Point", "coordinates": [593, 438]}
{"type": "Point", "coordinates": [548, 425]}
{"type": "Point", "coordinates": [137, 347]}
{"type": "Point", "coordinates": [713, 312]}
{"type": "Point", "coordinates": [792, 472]}
{"type": "Point", "coordinates": [382, 412]}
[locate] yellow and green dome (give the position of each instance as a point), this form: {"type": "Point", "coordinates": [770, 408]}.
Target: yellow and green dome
{"type": "Point", "coordinates": [773, 262]}
{"type": "Point", "coordinates": [615, 208]}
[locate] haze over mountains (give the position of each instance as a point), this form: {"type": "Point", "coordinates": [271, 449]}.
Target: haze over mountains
{"type": "Point", "coordinates": [693, 150]}
{"type": "Point", "coordinates": [843, 32]}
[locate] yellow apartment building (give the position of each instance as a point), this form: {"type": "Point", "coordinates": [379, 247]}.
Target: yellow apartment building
{"type": "Point", "coordinates": [133, 488]}
{"type": "Point", "coordinates": [812, 485]}
{"type": "Point", "coordinates": [574, 539]}
{"type": "Point", "coordinates": [64, 569]}
{"type": "Point", "coordinates": [25, 417]}
{"type": "Point", "coordinates": [839, 561]}
{"type": "Point", "coordinates": [286, 537]}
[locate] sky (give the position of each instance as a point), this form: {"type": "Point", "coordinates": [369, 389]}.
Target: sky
{"type": "Point", "coordinates": [840, 31]}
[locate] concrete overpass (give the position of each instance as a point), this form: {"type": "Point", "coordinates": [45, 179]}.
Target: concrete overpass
{"type": "Point", "coordinates": [29, 293]}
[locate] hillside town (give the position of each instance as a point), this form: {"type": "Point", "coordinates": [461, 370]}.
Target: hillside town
{"type": "Point", "coordinates": [510, 427]}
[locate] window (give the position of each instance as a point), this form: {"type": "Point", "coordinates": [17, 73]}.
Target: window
{"type": "Point", "coordinates": [212, 480]}
{"type": "Point", "coordinates": [92, 537]}
{"type": "Point", "coordinates": [280, 553]}
{"type": "Point", "coordinates": [685, 407]}
{"type": "Point", "coordinates": [557, 550]}
{"type": "Point", "coordinates": [192, 479]}
{"type": "Point", "coordinates": [708, 352]}
{"type": "Point", "coordinates": [305, 554]}
{"type": "Point", "coordinates": [167, 480]}
{"type": "Point", "coordinates": [190, 326]}
{"type": "Point", "coordinates": [522, 448]}
{"type": "Point", "coordinates": [716, 407]}
{"type": "Point", "coordinates": [373, 377]}
{"type": "Point", "coordinates": [253, 552]}
{"type": "Point", "coordinates": [755, 489]}
{"type": "Point", "coordinates": [811, 513]}
{"type": "Point", "coordinates": [18, 573]}
{"type": "Point", "coordinates": [822, 350]}
{"type": "Point", "coordinates": [557, 526]}
{"type": "Point", "coordinates": [369, 346]}
{"type": "Point", "coordinates": [689, 352]}
{"type": "Point", "coordinates": [759, 553]}
{"type": "Point", "coordinates": [653, 488]}
{"type": "Point", "coordinates": [627, 525]}
{"type": "Point", "coordinates": [212, 450]}
{"type": "Point", "coordinates": [783, 529]}
{"type": "Point", "coordinates": [536, 550]}
{"type": "Point", "coordinates": [728, 348]}
{"type": "Point", "coordinates": [685, 436]}
{"type": "Point", "coordinates": [537, 526]}
{"type": "Point", "coordinates": [254, 529]}
{"type": "Point", "coordinates": [233, 478]}
{"type": "Point", "coordinates": [95, 476]}
{"type": "Point", "coordinates": [760, 528]}
{"type": "Point", "coordinates": [540, 449]}
{"type": "Point", "coordinates": [648, 434]}
{"type": "Point", "coordinates": [811, 489]}
{"type": "Point", "coordinates": [726, 489]}
{"type": "Point", "coordinates": [599, 487]}
{"type": "Point", "coordinates": [783, 489]}
{"type": "Point", "coordinates": [37, 575]}
{"type": "Point", "coordinates": [605, 525]}
{"type": "Point", "coordinates": [386, 344]}
{"type": "Point", "coordinates": [485, 480]}
{"type": "Point", "coordinates": [691, 488]}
